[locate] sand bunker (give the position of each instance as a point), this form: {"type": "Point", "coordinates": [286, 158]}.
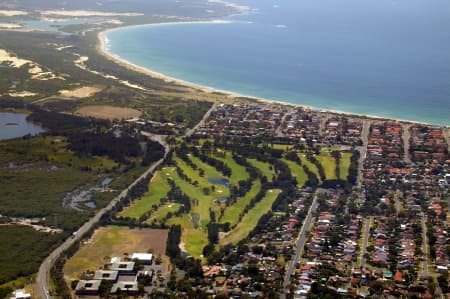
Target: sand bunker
{"type": "Point", "coordinates": [108, 112]}
{"type": "Point", "coordinates": [82, 92]}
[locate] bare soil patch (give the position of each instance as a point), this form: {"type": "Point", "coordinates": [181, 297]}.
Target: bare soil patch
{"type": "Point", "coordinates": [82, 92]}
{"type": "Point", "coordinates": [115, 241]}
{"type": "Point", "coordinates": [108, 112]}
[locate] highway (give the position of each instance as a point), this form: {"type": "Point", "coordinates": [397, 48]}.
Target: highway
{"type": "Point", "coordinates": [43, 276]}
{"type": "Point", "coordinates": [300, 243]}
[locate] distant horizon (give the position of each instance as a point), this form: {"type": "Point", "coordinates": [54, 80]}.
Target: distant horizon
{"type": "Point", "coordinates": [336, 69]}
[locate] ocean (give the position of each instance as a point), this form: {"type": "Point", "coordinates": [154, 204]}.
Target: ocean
{"type": "Point", "coordinates": [389, 58]}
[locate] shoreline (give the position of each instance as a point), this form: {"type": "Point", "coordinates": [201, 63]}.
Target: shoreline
{"type": "Point", "coordinates": [101, 48]}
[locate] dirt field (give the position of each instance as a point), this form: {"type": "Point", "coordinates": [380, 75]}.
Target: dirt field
{"type": "Point", "coordinates": [108, 112]}
{"type": "Point", "coordinates": [115, 241]}
{"type": "Point", "coordinates": [82, 92]}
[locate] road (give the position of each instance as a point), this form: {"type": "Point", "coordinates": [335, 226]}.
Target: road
{"type": "Point", "coordinates": [447, 136]}
{"type": "Point", "coordinates": [278, 132]}
{"type": "Point", "coordinates": [43, 276]}
{"type": "Point", "coordinates": [190, 132]}
{"type": "Point", "coordinates": [55, 97]}
{"type": "Point", "coordinates": [424, 247]}
{"type": "Point", "coordinates": [398, 205]}
{"type": "Point", "coordinates": [300, 243]}
{"type": "Point", "coordinates": [406, 135]}
{"type": "Point", "coordinates": [363, 151]}
{"type": "Point", "coordinates": [362, 260]}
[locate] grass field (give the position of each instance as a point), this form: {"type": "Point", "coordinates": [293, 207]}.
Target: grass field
{"type": "Point", "coordinates": [232, 213]}
{"type": "Point", "coordinates": [251, 219]}
{"type": "Point", "coordinates": [114, 241]}
{"type": "Point", "coordinates": [265, 168]}
{"type": "Point", "coordinates": [158, 189]}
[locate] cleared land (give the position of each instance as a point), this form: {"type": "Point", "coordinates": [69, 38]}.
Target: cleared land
{"type": "Point", "coordinates": [113, 241]}
{"type": "Point", "coordinates": [82, 92]}
{"type": "Point", "coordinates": [107, 112]}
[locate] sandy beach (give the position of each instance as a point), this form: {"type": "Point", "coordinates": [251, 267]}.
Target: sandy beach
{"type": "Point", "coordinates": [102, 49]}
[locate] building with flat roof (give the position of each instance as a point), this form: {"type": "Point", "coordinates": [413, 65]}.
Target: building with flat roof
{"type": "Point", "coordinates": [20, 294]}
{"type": "Point", "coordinates": [87, 287]}
{"type": "Point", "coordinates": [127, 284]}
{"type": "Point", "coordinates": [124, 268]}
{"type": "Point", "coordinates": [145, 258]}
{"type": "Point", "coordinates": [106, 275]}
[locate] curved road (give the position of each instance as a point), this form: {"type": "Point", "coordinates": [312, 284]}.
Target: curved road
{"type": "Point", "coordinates": [43, 276]}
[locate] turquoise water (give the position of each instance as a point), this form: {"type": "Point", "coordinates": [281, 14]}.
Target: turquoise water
{"type": "Point", "coordinates": [222, 182]}
{"type": "Point", "coordinates": [52, 26]}
{"type": "Point", "coordinates": [389, 58]}
{"type": "Point", "coordinates": [14, 125]}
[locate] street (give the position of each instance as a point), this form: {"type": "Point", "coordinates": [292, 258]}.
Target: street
{"type": "Point", "coordinates": [300, 244]}
{"type": "Point", "coordinates": [362, 260]}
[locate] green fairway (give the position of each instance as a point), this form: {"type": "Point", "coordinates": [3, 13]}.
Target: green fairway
{"type": "Point", "coordinates": [297, 171]}
{"type": "Point", "coordinates": [192, 240]}
{"type": "Point", "coordinates": [329, 165]}
{"type": "Point", "coordinates": [162, 212]}
{"type": "Point", "coordinates": [158, 189]}
{"type": "Point", "coordinates": [310, 165]}
{"type": "Point", "coordinates": [344, 165]}
{"type": "Point", "coordinates": [265, 168]}
{"type": "Point", "coordinates": [210, 171]}
{"type": "Point", "coordinates": [238, 172]}
{"type": "Point", "coordinates": [232, 213]}
{"type": "Point", "coordinates": [251, 219]}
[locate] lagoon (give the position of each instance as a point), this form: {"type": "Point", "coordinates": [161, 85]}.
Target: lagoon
{"type": "Point", "coordinates": [389, 58]}
{"type": "Point", "coordinates": [14, 125]}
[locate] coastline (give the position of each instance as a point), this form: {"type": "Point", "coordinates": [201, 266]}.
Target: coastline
{"type": "Point", "coordinates": [101, 48]}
